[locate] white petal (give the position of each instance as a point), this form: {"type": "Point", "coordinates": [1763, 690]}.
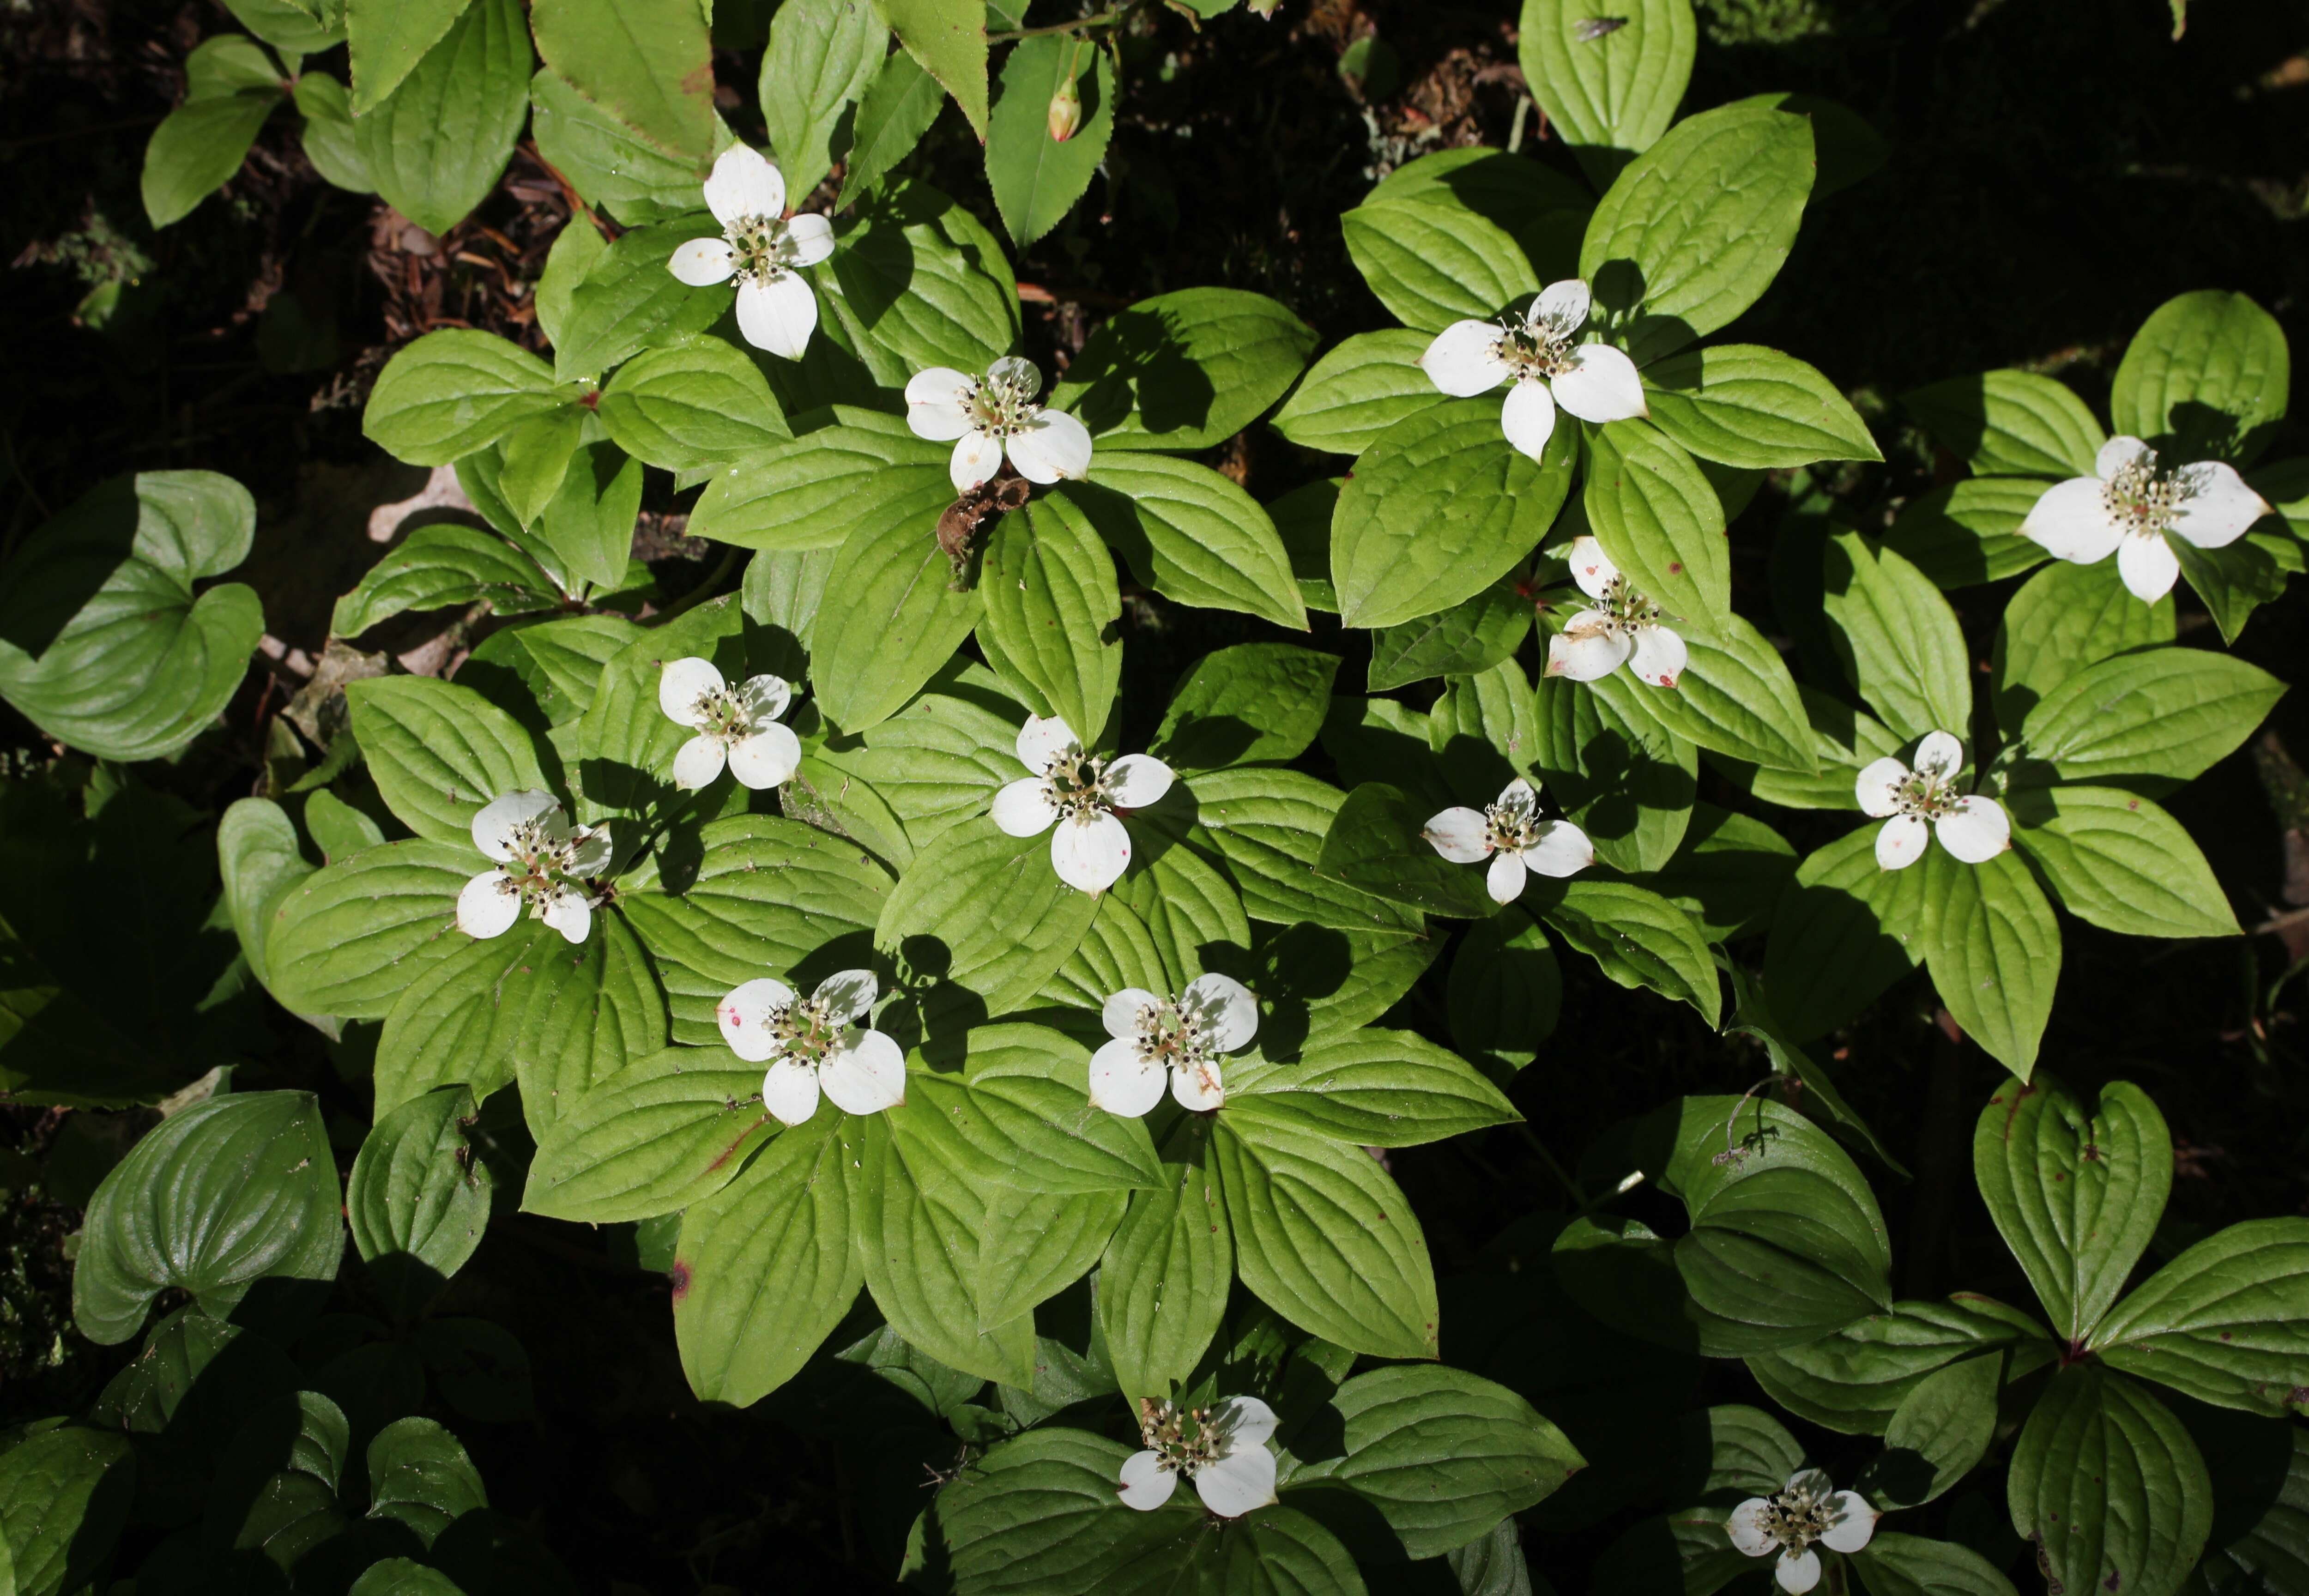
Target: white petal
{"type": "Point", "coordinates": [593, 851]}
{"type": "Point", "coordinates": [1147, 1484]}
{"type": "Point", "coordinates": [745, 183]}
{"type": "Point", "coordinates": [1814, 1483]}
{"type": "Point", "coordinates": [1940, 754]}
{"type": "Point", "coordinates": [2118, 452]}
{"type": "Point", "coordinates": [1797, 1572]}
{"type": "Point", "coordinates": [744, 1016]}
{"type": "Point", "coordinates": [937, 403]}
{"type": "Point", "coordinates": [703, 262]}
{"type": "Point", "coordinates": [568, 911]}
{"type": "Point", "coordinates": [847, 995]}
{"type": "Point", "coordinates": [1228, 1011]}
{"type": "Point", "coordinates": [1022, 809]}
{"type": "Point", "coordinates": [2219, 507]}
{"type": "Point", "coordinates": [790, 1091]}
{"type": "Point", "coordinates": [1055, 447]}
{"type": "Point", "coordinates": [1461, 835]}
{"type": "Point", "coordinates": [1042, 739]}
{"type": "Point", "coordinates": [778, 314]}
{"type": "Point", "coordinates": [811, 236]}
{"type": "Point", "coordinates": [1902, 842]}
{"type": "Point", "coordinates": [1123, 1082]}
{"type": "Point", "coordinates": [766, 758]}
{"type": "Point", "coordinates": [2070, 521]}
{"type": "Point", "coordinates": [682, 683]}
{"type": "Point", "coordinates": [1528, 417]}
{"type": "Point", "coordinates": [1879, 787]}
{"type": "Point", "coordinates": [766, 696]}
{"type": "Point", "coordinates": [1238, 1483]}
{"type": "Point", "coordinates": [1591, 567]}
{"type": "Point", "coordinates": [1602, 386]}
{"type": "Point", "coordinates": [866, 1075]}
{"type": "Point", "coordinates": [1465, 359]}
{"type": "Point", "coordinates": [977, 456]}
{"type": "Point", "coordinates": [1245, 1421]}
{"type": "Point", "coordinates": [1976, 831]}
{"type": "Point", "coordinates": [1119, 1014]}
{"type": "Point", "coordinates": [1564, 303]}
{"type": "Point", "coordinates": [2148, 566]}
{"type": "Point", "coordinates": [1090, 853]}
{"type": "Point", "coordinates": [1017, 373]}
{"type": "Point", "coordinates": [1746, 1526]}
{"type": "Point", "coordinates": [1137, 779]}
{"type": "Point", "coordinates": [699, 762]}
{"type": "Point", "coordinates": [499, 815]}
{"type": "Point", "coordinates": [1586, 651]}
{"type": "Point", "coordinates": [1658, 656]}
{"type": "Point", "coordinates": [1852, 1523]}
{"type": "Point", "coordinates": [1562, 850]}
{"type": "Point", "coordinates": [1520, 795]}
{"type": "Point", "coordinates": [1198, 1090]}
{"type": "Point", "coordinates": [1505, 879]}
{"type": "Point", "coordinates": [485, 908]}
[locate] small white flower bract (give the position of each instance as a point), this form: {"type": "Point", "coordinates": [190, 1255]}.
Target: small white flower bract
{"type": "Point", "coordinates": [996, 415]}
{"type": "Point", "coordinates": [763, 248]}
{"type": "Point", "coordinates": [1623, 628]}
{"type": "Point", "coordinates": [2132, 506]}
{"type": "Point", "coordinates": [1078, 793]}
{"type": "Point", "coordinates": [1924, 802]}
{"type": "Point", "coordinates": [737, 726]}
{"type": "Point", "coordinates": [812, 1044]}
{"type": "Point", "coordinates": [1181, 1037]}
{"type": "Point", "coordinates": [1512, 835]}
{"type": "Point", "coordinates": [1808, 1511]}
{"type": "Point", "coordinates": [541, 859]}
{"type": "Point", "coordinates": [1537, 354]}
{"type": "Point", "coordinates": [1222, 1448]}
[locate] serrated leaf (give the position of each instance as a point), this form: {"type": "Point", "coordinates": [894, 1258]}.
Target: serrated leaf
{"type": "Point", "coordinates": [948, 37]}
{"type": "Point", "coordinates": [899, 107]}
{"type": "Point", "coordinates": [822, 54]}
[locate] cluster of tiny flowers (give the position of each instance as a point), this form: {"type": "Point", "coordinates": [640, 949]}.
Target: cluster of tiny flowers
{"type": "Point", "coordinates": [1808, 1511]}
{"type": "Point", "coordinates": [1182, 1037]}
{"type": "Point", "coordinates": [1222, 1448]}
{"type": "Point", "coordinates": [2134, 505]}
{"type": "Point", "coordinates": [1078, 793]}
{"type": "Point", "coordinates": [763, 248]}
{"type": "Point", "coordinates": [1510, 833]}
{"type": "Point", "coordinates": [543, 863]}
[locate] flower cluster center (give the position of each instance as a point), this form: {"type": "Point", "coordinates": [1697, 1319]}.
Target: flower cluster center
{"type": "Point", "coordinates": [1530, 352]}
{"type": "Point", "coordinates": [1796, 1518]}
{"type": "Point", "coordinates": [721, 714]}
{"type": "Point", "coordinates": [1000, 407]}
{"type": "Point", "coordinates": [804, 1030]}
{"type": "Point", "coordinates": [1075, 785]}
{"type": "Point", "coordinates": [540, 858]}
{"type": "Point", "coordinates": [1623, 609]}
{"type": "Point", "coordinates": [1184, 1438]}
{"type": "Point", "coordinates": [2145, 499]}
{"type": "Point", "coordinates": [1171, 1036]}
{"type": "Point", "coordinates": [764, 246]}
{"type": "Point", "coordinates": [1926, 795]}
{"type": "Point", "coordinates": [1512, 827]}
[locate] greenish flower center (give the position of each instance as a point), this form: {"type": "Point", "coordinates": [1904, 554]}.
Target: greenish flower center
{"type": "Point", "coordinates": [2145, 500]}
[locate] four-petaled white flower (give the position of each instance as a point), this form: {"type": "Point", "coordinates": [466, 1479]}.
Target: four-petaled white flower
{"type": "Point", "coordinates": [736, 725]}
{"type": "Point", "coordinates": [1512, 829]}
{"type": "Point", "coordinates": [1808, 1510]}
{"type": "Point", "coordinates": [1538, 354]}
{"type": "Point", "coordinates": [811, 1043]}
{"type": "Point", "coordinates": [763, 248]}
{"type": "Point", "coordinates": [1080, 792]}
{"type": "Point", "coordinates": [1183, 1036]}
{"type": "Point", "coordinates": [988, 416]}
{"type": "Point", "coordinates": [541, 861]}
{"type": "Point", "coordinates": [2131, 505]}
{"type": "Point", "coordinates": [1973, 828]}
{"type": "Point", "coordinates": [1621, 626]}
{"type": "Point", "coordinates": [1222, 1448]}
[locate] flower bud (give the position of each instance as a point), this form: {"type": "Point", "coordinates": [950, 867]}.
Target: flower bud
{"type": "Point", "coordinates": [1066, 110]}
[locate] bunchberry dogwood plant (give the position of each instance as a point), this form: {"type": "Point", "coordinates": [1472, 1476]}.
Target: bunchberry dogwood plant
{"type": "Point", "coordinates": [1924, 802]}
{"type": "Point", "coordinates": [1510, 833]}
{"type": "Point", "coordinates": [1078, 793]}
{"type": "Point", "coordinates": [1622, 627]}
{"type": "Point", "coordinates": [1806, 1512]}
{"type": "Point", "coordinates": [2134, 505]}
{"type": "Point", "coordinates": [814, 1044]}
{"type": "Point", "coordinates": [545, 866]}
{"type": "Point", "coordinates": [1183, 1038]}
{"type": "Point", "coordinates": [1539, 355]}
{"type": "Point", "coordinates": [763, 248]}
{"type": "Point", "coordinates": [989, 417]}
{"type": "Point", "coordinates": [1222, 1448]}
{"type": "Point", "coordinates": [737, 727]}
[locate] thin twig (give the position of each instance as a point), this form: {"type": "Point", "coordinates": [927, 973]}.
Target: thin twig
{"type": "Point", "coordinates": [1100, 19]}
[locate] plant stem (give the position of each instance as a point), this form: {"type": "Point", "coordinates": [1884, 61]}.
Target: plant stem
{"type": "Point", "coordinates": [1098, 20]}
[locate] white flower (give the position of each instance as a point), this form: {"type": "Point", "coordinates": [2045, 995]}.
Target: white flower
{"type": "Point", "coordinates": [989, 417]}
{"type": "Point", "coordinates": [539, 854]}
{"type": "Point", "coordinates": [1183, 1036]}
{"type": "Point", "coordinates": [1222, 1448]}
{"type": "Point", "coordinates": [1973, 828]}
{"type": "Point", "coordinates": [1536, 354]}
{"type": "Point", "coordinates": [1808, 1509]}
{"type": "Point", "coordinates": [811, 1043]}
{"type": "Point", "coordinates": [2129, 506]}
{"type": "Point", "coordinates": [736, 725]}
{"type": "Point", "coordinates": [1080, 792]}
{"type": "Point", "coordinates": [1623, 625]}
{"type": "Point", "coordinates": [763, 248]}
{"type": "Point", "coordinates": [1512, 829]}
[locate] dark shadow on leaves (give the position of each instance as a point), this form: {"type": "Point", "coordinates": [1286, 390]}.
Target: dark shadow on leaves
{"type": "Point", "coordinates": [1140, 358]}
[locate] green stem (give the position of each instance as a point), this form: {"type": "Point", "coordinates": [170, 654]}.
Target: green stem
{"type": "Point", "coordinates": [1098, 20]}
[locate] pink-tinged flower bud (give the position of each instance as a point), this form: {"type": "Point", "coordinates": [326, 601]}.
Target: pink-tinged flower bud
{"type": "Point", "coordinates": [1066, 111]}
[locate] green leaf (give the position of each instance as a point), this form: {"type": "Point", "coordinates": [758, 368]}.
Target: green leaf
{"type": "Point", "coordinates": [220, 1195]}
{"type": "Point", "coordinates": [986, 914]}
{"type": "Point", "coordinates": [1653, 512]}
{"type": "Point", "coordinates": [454, 392]}
{"type": "Point", "coordinates": [651, 68]}
{"type": "Point", "coordinates": [1504, 993]}
{"type": "Point", "coordinates": [387, 41]}
{"type": "Point", "coordinates": [1637, 937]}
{"type": "Point", "coordinates": [1843, 740]}
{"type": "Point", "coordinates": [2259, 1488]}
{"type": "Point", "coordinates": [419, 1199]}
{"type": "Point", "coordinates": [65, 1495]}
{"type": "Point", "coordinates": [2066, 618]}
{"type": "Point", "coordinates": [630, 301]}
{"type": "Point", "coordinates": [824, 488]}
{"type": "Point", "coordinates": [1378, 841]}
{"type": "Point", "coordinates": [1363, 387]}
{"type": "Point", "coordinates": [1190, 534]}
{"type": "Point", "coordinates": [576, 1017]}
{"type": "Point", "coordinates": [1438, 510]}
{"type": "Point", "coordinates": [1372, 1087]}
{"type": "Point", "coordinates": [665, 1132]}
{"type": "Point", "coordinates": [1252, 704]}
{"type": "Point", "coordinates": [2109, 1486]}
{"type": "Point", "coordinates": [900, 104]}
{"type": "Point", "coordinates": [1938, 1435]}
{"type": "Point", "coordinates": [2207, 374]}
{"type": "Point", "coordinates": [1267, 826]}
{"type": "Point", "coordinates": [1736, 698]}
{"type": "Point", "coordinates": [1694, 230]}
{"type": "Point", "coordinates": [329, 138]}
{"type": "Point", "coordinates": [1036, 179]}
{"type": "Point", "coordinates": [1039, 1512]}
{"type": "Point", "coordinates": [1994, 951]}
{"type": "Point", "coordinates": [2009, 424]}
{"type": "Point", "coordinates": [610, 162]}
{"type": "Point", "coordinates": [200, 144]}
{"type": "Point", "coordinates": [1036, 1245]}
{"type": "Point", "coordinates": [404, 1576]}
{"type": "Point", "coordinates": [1183, 371]}
{"type": "Point", "coordinates": [1728, 873]}
{"type": "Point", "coordinates": [439, 752]}
{"type": "Point", "coordinates": [1432, 266]}
{"type": "Point", "coordinates": [1847, 930]}
{"type": "Point", "coordinates": [589, 523]}
{"type": "Point", "coordinates": [692, 406]}
{"type": "Point", "coordinates": [1464, 640]}
{"type": "Point", "coordinates": [1053, 607]}
{"type": "Point", "coordinates": [1969, 531]}
{"type": "Point", "coordinates": [1034, 1121]}
{"type": "Point", "coordinates": [1894, 1565]}
{"type": "Point", "coordinates": [938, 762]}
{"type": "Point", "coordinates": [2236, 580]}
{"type": "Point", "coordinates": [535, 457]}
{"type": "Point", "coordinates": [1359, 1276]}
{"type": "Point", "coordinates": [2223, 1321]}
{"type": "Point", "coordinates": [104, 644]}
{"type": "Point", "coordinates": [2119, 861]}
{"type": "Point", "coordinates": [292, 27]}
{"type": "Point", "coordinates": [1163, 1283]}
{"type": "Point", "coordinates": [1856, 1379]}
{"type": "Point", "coordinates": [259, 856]}
{"type": "Point", "coordinates": [1613, 95]}
{"type": "Point", "coordinates": [1897, 638]}
{"type": "Point", "coordinates": [2168, 712]}
{"type": "Point", "coordinates": [822, 54]}
{"type": "Point", "coordinates": [418, 1474]}
{"type": "Point", "coordinates": [916, 281]}
{"type": "Point", "coordinates": [897, 624]}
{"type": "Point", "coordinates": [347, 940]}
{"type": "Point", "coordinates": [440, 565]}
{"type": "Point", "coordinates": [436, 146]}
{"type": "Point", "coordinates": [1745, 405]}
{"type": "Point", "coordinates": [765, 1268]}
{"type": "Point", "coordinates": [948, 37]}
{"type": "Point", "coordinates": [1617, 773]}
